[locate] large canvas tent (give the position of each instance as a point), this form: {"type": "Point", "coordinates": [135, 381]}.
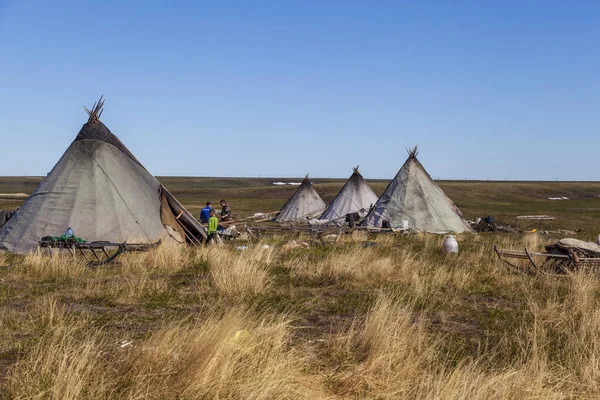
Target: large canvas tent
{"type": "Point", "coordinates": [304, 204]}
{"type": "Point", "coordinates": [100, 190]}
{"type": "Point", "coordinates": [413, 196]}
{"type": "Point", "coordinates": [355, 196]}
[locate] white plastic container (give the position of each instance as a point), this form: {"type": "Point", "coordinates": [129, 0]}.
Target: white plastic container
{"type": "Point", "coordinates": [450, 245]}
{"type": "Point", "coordinates": [477, 220]}
{"type": "Point", "coordinates": [404, 224]}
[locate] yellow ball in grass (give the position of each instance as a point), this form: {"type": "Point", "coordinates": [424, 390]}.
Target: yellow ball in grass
{"type": "Point", "coordinates": [242, 336]}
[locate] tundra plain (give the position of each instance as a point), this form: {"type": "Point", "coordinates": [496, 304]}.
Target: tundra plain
{"type": "Point", "coordinates": [379, 317]}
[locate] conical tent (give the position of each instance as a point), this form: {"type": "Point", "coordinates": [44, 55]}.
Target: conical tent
{"type": "Point", "coordinates": [100, 190]}
{"type": "Point", "coordinates": [355, 196]}
{"type": "Point", "coordinates": [413, 196]}
{"type": "Point", "coordinates": [304, 204]}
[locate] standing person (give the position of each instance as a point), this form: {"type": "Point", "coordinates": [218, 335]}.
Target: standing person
{"type": "Point", "coordinates": [213, 222]}
{"type": "Point", "coordinates": [225, 211]}
{"type": "Point", "coordinates": [205, 213]}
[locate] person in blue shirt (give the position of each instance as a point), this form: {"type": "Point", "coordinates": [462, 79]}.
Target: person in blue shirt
{"type": "Point", "coordinates": [205, 213]}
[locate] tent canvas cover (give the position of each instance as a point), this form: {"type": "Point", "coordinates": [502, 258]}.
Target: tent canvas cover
{"type": "Point", "coordinates": [355, 196]}
{"type": "Point", "coordinates": [413, 196]}
{"type": "Point", "coordinates": [100, 190]}
{"type": "Point", "coordinates": [304, 204]}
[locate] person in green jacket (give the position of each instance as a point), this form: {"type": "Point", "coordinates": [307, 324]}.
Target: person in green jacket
{"type": "Point", "coordinates": [213, 222]}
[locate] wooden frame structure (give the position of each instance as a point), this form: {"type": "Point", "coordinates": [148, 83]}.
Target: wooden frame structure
{"type": "Point", "coordinates": [102, 252]}
{"type": "Point", "coordinates": [317, 232]}
{"type": "Point", "coordinates": [552, 263]}
{"type": "Point", "coordinates": [532, 219]}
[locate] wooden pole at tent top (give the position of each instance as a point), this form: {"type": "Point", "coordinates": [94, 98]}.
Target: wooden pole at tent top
{"type": "Point", "coordinates": [96, 111]}
{"type": "Point", "coordinates": [412, 153]}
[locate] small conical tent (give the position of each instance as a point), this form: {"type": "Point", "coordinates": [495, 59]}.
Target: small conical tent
{"type": "Point", "coordinates": [355, 196]}
{"type": "Point", "coordinates": [413, 196]}
{"type": "Point", "coordinates": [304, 204]}
{"type": "Point", "coordinates": [100, 190]}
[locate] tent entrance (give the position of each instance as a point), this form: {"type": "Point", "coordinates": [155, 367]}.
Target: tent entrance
{"type": "Point", "coordinates": [180, 222]}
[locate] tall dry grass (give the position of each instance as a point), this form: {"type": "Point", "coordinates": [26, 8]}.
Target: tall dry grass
{"type": "Point", "coordinates": [391, 355]}
{"type": "Point", "coordinates": [136, 277]}
{"type": "Point", "coordinates": [360, 265]}
{"type": "Point", "coordinates": [387, 353]}
{"type": "Point", "coordinates": [167, 258]}
{"type": "Point", "coordinates": [387, 262]}
{"type": "Point", "coordinates": [66, 362]}
{"type": "Point", "coordinates": [241, 273]}
{"type": "Point", "coordinates": [236, 355]}
{"type": "Point", "coordinates": [59, 266]}
{"type": "Point", "coordinates": [451, 327]}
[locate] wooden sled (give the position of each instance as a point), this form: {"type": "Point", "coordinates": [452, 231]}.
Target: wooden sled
{"type": "Point", "coordinates": [554, 262]}
{"type": "Point", "coordinates": [95, 253]}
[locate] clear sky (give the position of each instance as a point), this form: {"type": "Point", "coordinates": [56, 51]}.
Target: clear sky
{"type": "Point", "coordinates": [487, 89]}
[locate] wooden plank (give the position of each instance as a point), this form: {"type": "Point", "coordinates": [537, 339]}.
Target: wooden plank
{"type": "Point", "coordinates": [536, 217]}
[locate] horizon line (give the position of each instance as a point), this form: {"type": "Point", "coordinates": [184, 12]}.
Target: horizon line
{"type": "Point", "coordinates": [438, 179]}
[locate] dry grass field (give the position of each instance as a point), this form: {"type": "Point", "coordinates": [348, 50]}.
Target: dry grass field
{"type": "Point", "coordinates": [376, 317]}
{"type": "Point", "coordinates": [366, 317]}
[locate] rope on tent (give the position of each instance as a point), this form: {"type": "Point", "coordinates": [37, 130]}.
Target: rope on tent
{"type": "Point", "coordinates": [96, 111]}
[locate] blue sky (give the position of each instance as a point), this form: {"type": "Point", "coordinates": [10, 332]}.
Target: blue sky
{"type": "Point", "coordinates": [487, 89]}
